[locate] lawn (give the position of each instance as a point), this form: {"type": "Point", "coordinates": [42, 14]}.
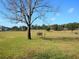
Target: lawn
{"type": "Point", "coordinates": [52, 45]}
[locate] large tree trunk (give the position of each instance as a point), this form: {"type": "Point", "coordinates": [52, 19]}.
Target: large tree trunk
{"type": "Point", "coordinates": [29, 19]}
{"type": "Point", "coordinates": [29, 32]}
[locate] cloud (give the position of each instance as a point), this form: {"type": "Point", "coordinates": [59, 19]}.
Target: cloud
{"type": "Point", "coordinates": [57, 14]}
{"type": "Point", "coordinates": [53, 19]}
{"type": "Point", "coordinates": [71, 10]}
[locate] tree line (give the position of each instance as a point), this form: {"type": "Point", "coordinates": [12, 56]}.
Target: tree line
{"type": "Point", "coordinates": [14, 28]}
{"type": "Point", "coordinates": [56, 27]}
{"type": "Point", "coordinates": [69, 26]}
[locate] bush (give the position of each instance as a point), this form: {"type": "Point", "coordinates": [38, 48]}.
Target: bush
{"type": "Point", "coordinates": [48, 29]}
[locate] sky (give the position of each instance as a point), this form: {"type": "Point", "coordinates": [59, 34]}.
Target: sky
{"type": "Point", "coordinates": [68, 13]}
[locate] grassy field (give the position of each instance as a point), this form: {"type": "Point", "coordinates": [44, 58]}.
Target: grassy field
{"type": "Point", "coordinates": [52, 45]}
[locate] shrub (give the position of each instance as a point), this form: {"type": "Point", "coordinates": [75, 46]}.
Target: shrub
{"type": "Point", "coordinates": [48, 29]}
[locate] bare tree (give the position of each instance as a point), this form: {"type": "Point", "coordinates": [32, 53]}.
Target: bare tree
{"type": "Point", "coordinates": [26, 11]}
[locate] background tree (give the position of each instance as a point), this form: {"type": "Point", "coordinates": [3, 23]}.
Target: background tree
{"type": "Point", "coordinates": [26, 11]}
{"type": "Point", "coordinates": [48, 29]}
{"type": "Point", "coordinates": [14, 28]}
{"type": "Point", "coordinates": [55, 27]}
{"type": "Point", "coordinates": [22, 28]}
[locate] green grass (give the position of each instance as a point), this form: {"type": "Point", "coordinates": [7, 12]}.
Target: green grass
{"type": "Point", "coordinates": [55, 45]}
